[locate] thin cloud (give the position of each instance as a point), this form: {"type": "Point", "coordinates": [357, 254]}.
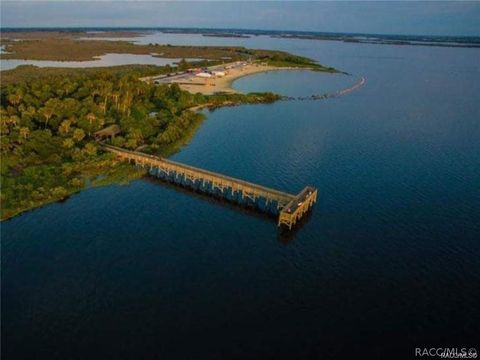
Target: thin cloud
{"type": "Point", "coordinates": [431, 18]}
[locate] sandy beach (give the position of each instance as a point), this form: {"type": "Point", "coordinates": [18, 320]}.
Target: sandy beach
{"type": "Point", "coordinates": [224, 84]}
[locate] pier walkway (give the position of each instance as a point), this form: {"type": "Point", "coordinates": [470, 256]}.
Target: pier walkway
{"type": "Point", "coordinates": [290, 208]}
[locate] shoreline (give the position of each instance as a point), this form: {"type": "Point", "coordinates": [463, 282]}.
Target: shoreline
{"type": "Point", "coordinates": [221, 84]}
{"type": "Point", "coordinates": [133, 174]}
{"type": "Point", "coordinates": [111, 177]}
{"type": "Point", "coordinates": [224, 84]}
{"type": "Point", "coordinates": [107, 178]}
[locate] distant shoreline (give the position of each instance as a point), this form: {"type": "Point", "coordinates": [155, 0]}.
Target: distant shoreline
{"type": "Point", "coordinates": [362, 38]}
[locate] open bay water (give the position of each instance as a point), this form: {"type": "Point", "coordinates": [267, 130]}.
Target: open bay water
{"type": "Point", "coordinates": [387, 261]}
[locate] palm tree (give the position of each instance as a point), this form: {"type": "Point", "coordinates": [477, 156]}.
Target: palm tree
{"type": "Point", "coordinates": [52, 106]}
{"type": "Point", "coordinates": [136, 135]}
{"type": "Point", "coordinates": [127, 100]}
{"type": "Point", "coordinates": [78, 135]}
{"type": "Point", "coordinates": [91, 117]}
{"type": "Point", "coordinates": [115, 97]}
{"type": "Point", "coordinates": [68, 143]}
{"type": "Point", "coordinates": [106, 91]}
{"type": "Point", "coordinates": [64, 127]}
{"type": "Point", "coordinates": [47, 114]}
{"type": "Point", "coordinates": [13, 120]}
{"type": "Point", "coordinates": [24, 132]}
{"type": "Point", "coordinates": [15, 99]}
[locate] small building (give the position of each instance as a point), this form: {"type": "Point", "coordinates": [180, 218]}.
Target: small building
{"type": "Point", "coordinates": [108, 132]}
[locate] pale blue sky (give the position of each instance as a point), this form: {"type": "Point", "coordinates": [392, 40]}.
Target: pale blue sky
{"type": "Point", "coordinates": [390, 17]}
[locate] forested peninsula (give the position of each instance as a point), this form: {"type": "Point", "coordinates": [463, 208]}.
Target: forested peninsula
{"type": "Point", "coordinates": [49, 118]}
{"type": "Point", "coordinates": [47, 148]}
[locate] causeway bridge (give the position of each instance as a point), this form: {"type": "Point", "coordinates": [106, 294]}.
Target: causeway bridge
{"type": "Point", "coordinates": [289, 208]}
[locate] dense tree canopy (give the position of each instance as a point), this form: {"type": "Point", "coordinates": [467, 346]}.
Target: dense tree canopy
{"type": "Point", "coordinates": [47, 125]}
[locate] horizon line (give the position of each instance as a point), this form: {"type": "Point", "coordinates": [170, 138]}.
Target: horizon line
{"type": "Point", "coordinates": [2, 28]}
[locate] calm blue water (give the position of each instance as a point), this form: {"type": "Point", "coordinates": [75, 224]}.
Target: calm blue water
{"type": "Point", "coordinates": [387, 261]}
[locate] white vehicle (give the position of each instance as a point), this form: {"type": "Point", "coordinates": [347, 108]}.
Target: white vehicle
{"type": "Point", "coordinates": [204, 75]}
{"type": "Point", "coordinates": [218, 73]}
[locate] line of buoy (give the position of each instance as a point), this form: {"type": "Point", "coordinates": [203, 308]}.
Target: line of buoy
{"type": "Point", "coordinates": [352, 88]}
{"type": "Point", "coordinates": [338, 93]}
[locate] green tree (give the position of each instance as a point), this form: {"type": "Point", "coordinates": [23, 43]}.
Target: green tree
{"type": "Point", "coordinates": [52, 106]}
{"type": "Point", "coordinates": [24, 132]}
{"type": "Point", "coordinates": [58, 192]}
{"type": "Point", "coordinates": [118, 141]}
{"type": "Point", "coordinates": [90, 149]}
{"type": "Point", "coordinates": [68, 143]}
{"type": "Point", "coordinates": [16, 97]}
{"type": "Point", "coordinates": [183, 65]}
{"type": "Point", "coordinates": [136, 135]}
{"type": "Point", "coordinates": [64, 127]}
{"type": "Point", "coordinates": [78, 135]}
{"type": "Point", "coordinates": [131, 144]}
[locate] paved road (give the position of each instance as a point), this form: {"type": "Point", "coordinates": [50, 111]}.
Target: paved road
{"type": "Point", "coordinates": [186, 76]}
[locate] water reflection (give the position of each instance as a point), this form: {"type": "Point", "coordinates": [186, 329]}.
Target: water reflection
{"type": "Point", "coordinates": [284, 235]}
{"type": "Point", "coordinates": [247, 209]}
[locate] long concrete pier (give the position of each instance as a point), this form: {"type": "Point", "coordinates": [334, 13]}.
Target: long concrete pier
{"type": "Point", "coordinates": [290, 208]}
